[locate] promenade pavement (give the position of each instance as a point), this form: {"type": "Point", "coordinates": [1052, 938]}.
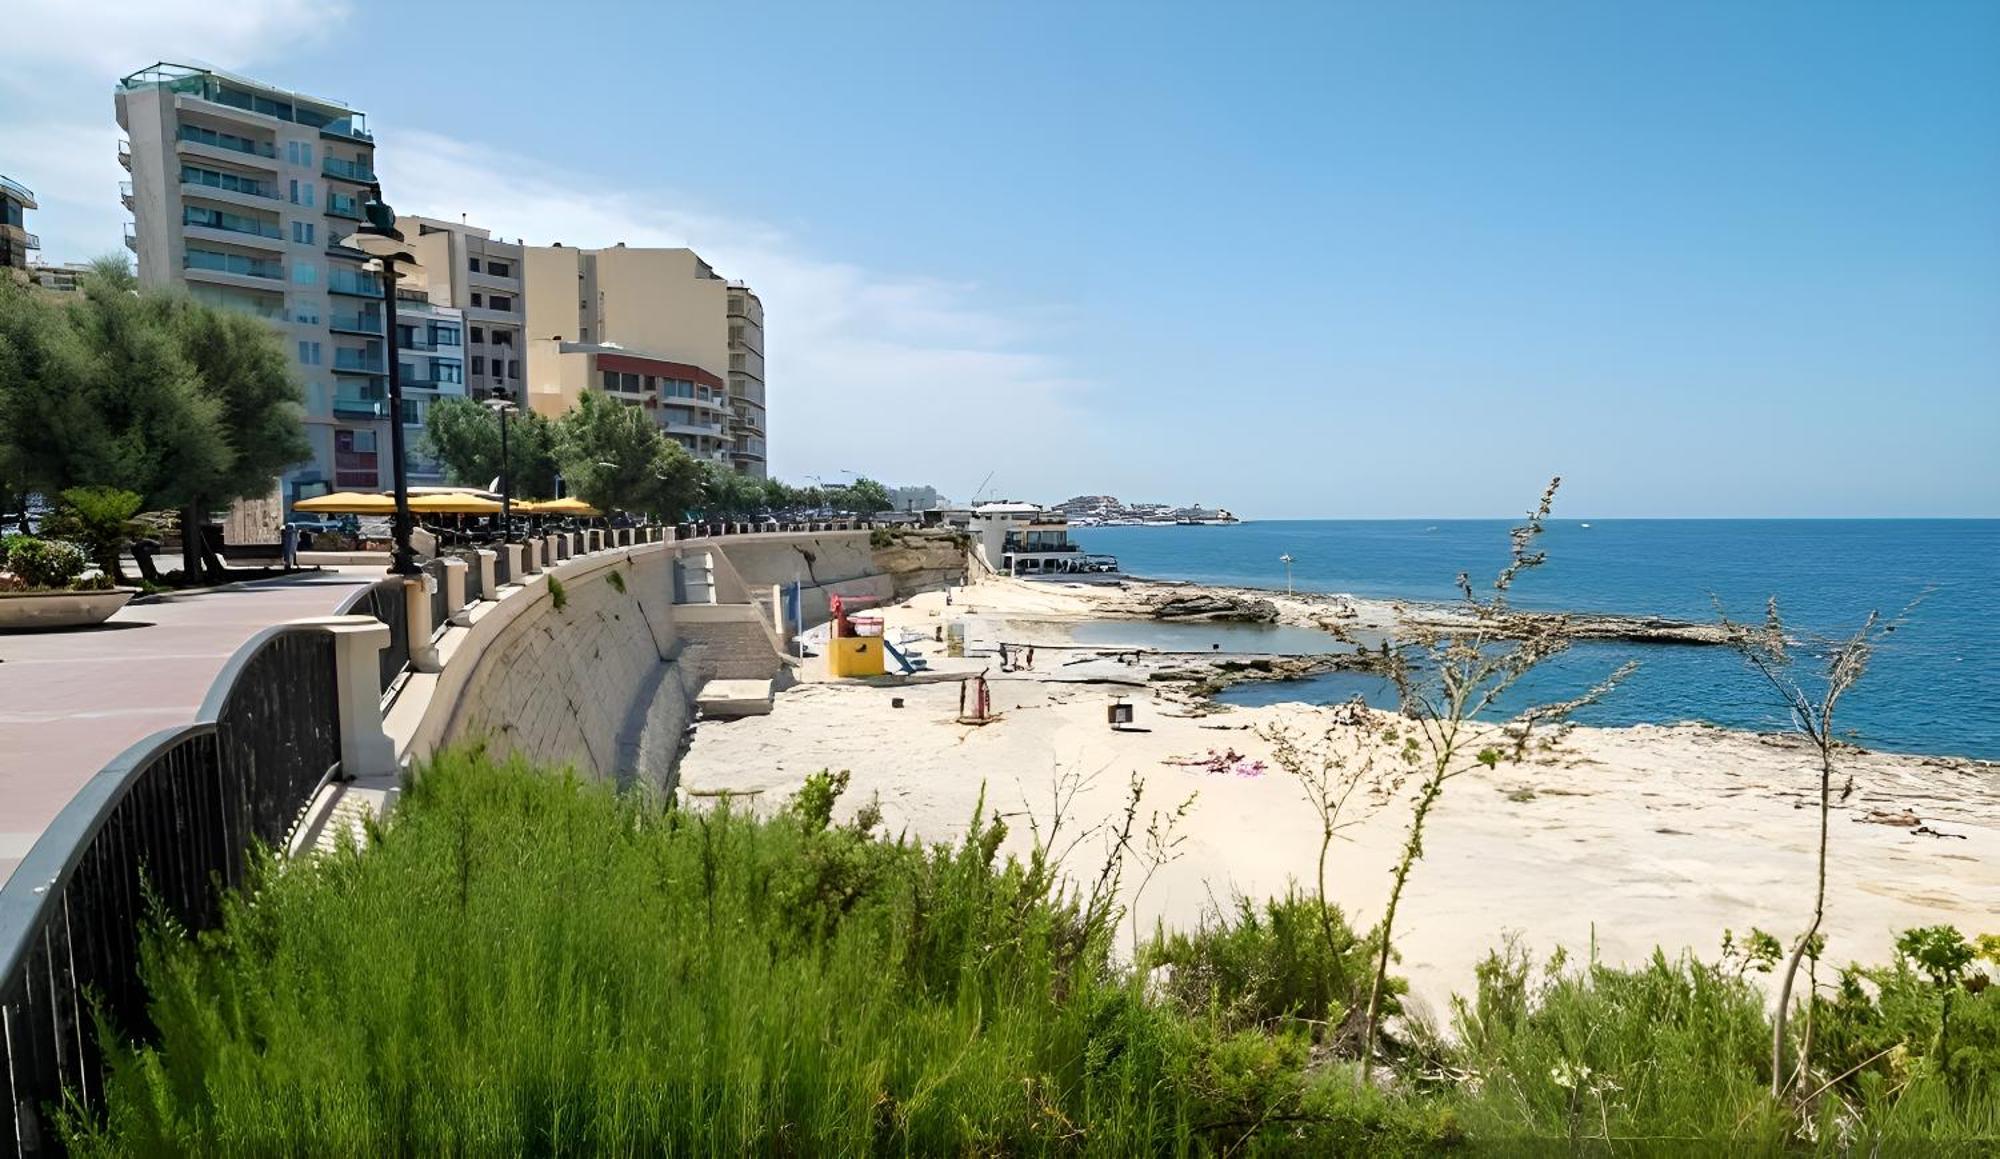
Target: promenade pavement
{"type": "Point", "coordinates": [72, 701]}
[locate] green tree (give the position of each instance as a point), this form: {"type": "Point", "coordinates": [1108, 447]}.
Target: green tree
{"type": "Point", "coordinates": [614, 457]}
{"type": "Point", "coordinates": [729, 492]}
{"type": "Point", "coordinates": [464, 435]}
{"type": "Point", "coordinates": [99, 520]}
{"type": "Point", "coordinates": [864, 496]}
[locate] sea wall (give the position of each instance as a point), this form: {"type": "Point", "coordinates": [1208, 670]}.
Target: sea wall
{"type": "Point", "coordinates": [920, 561]}
{"type": "Point", "coordinates": [597, 682]}
{"type": "Point", "coordinates": [822, 563]}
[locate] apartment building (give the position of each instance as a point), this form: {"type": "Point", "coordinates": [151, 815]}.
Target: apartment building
{"type": "Point", "coordinates": [668, 313]}
{"type": "Point", "coordinates": [58, 279]}
{"type": "Point", "coordinates": [470, 270]}
{"type": "Point", "coordinates": [748, 427]}
{"type": "Point", "coordinates": [241, 192]}
{"type": "Point", "coordinates": [15, 240]}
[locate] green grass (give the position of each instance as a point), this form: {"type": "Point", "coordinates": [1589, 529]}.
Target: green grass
{"type": "Point", "coordinates": [522, 962]}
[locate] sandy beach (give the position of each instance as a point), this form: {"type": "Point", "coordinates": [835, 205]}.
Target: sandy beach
{"type": "Point", "coordinates": [1618, 839]}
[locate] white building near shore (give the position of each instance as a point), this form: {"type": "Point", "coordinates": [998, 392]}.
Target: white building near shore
{"type": "Point", "coordinates": [1029, 541]}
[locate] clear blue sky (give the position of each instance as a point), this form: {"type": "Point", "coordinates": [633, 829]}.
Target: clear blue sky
{"type": "Point", "coordinates": [1317, 259]}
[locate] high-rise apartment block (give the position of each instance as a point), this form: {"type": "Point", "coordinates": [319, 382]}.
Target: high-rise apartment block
{"type": "Point", "coordinates": [240, 192]}
{"type": "Point", "coordinates": [673, 333]}
{"type": "Point", "coordinates": [471, 270]}
{"type": "Point", "coordinates": [15, 240]}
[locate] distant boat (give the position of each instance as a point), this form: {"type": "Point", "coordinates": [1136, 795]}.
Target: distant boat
{"type": "Point", "coordinates": [1583, 525]}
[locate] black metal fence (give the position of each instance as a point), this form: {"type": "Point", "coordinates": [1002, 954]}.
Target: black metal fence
{"type": "Point", "coordinates": [384, 600]}
{"type": "Point", "coordinates": [172, 820]}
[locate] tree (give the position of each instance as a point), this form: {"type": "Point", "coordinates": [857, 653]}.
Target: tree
{"type": "Point", "coordinates": [614, 457]}
{"type": "Point", "coordinates": [865, 496]}
{"type": "Point", "coordinates": [464, 435]}
{"type": "Point", "coordinates": [99, 520]}
{"type": "Point", "coordinates": [728, 492]}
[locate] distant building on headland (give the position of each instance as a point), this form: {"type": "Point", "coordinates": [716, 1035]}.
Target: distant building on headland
{"type": "Point", "coordinates": [58, 279]}
{"type": "Point", "coordinates": [916, 499]}
{"type": "Point", "coordinates": [1108, 511]}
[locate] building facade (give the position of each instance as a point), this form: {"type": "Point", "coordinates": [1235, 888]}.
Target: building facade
{"type": "Point", "coordinates": [472, 271]}
{"type": "Point", "coordinates": [15, 240]}
{"type": "Point", "coordinates": [664, 307]}
{"type": "Point", "coordinates": [748, 422]}
{"type": "Point", "coordinates": [241, 192]}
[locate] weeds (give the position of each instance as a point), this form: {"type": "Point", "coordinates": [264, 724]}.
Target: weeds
{"type": "Point", "coordinates": [558, 594]}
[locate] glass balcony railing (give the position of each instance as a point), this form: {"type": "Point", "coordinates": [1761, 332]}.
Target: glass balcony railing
{"type": "Point", "coordinates": [354, 405]}
{"type": "Point", "coordinates": [233, 264]}
{"type": "Point", "coordinates": [349, 282]}
{"type": "Point", "coordinates": [190, 175]}
{"type": "Point", "coordinates": [356, 323]}
{"type": "Point", "coordinates": [348, 170]}
{"type": "Point", "coordinates": [347, 207]}
{"type": "Point", "coordinates": [200, 136]}
{"type": "Point", "coordinates": [229, 222]}
{"type": "Point", "coordinates": [359, 363]}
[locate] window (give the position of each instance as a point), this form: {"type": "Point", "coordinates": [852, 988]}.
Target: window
{"type": "Point", "coordinates": [309, 315]}
{"type": "Point", "coordinates": [478, 364]}
{"type": "Point", "coordinates": [513, 369]}
{"type": "Point", "coordinates": [406, 335]}
{"type": "Point", "coordinates": [478, 301]}
{"type": "Point", "coordinates": [585, 336]}
{"type": "Point", "coordinates": [497, 269]}
{"type": "Point", "coordinates": [354, 441]}
{"type": "Point", "coordinates": [302, 232]}
{"type": "Point", "coordinates": [444, 334]}
{"type": "Point", "coordinates": [443, 371]}
{"type": "Point", "coordinates": [302, 192]}
{"type": "Point", "coordinates": [309, 353]}
{"type": "Point", "coordinates": [472, 264]}
{"type": "Point", "coordinates": [503, 338]}
{"type": "Point", "coordinates": [304, 273]}
{"type": "Point", "coordinates": [610, 379]}
{"type": "Point", "coordinates": [299, 153]}
{"type": "Point", "coordinates": [499, 302]}
{"type": "Point", "coordinates": [479, 334]}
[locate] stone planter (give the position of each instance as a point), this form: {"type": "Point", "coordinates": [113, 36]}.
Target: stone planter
{"type": "Point", "coordinates": [34, 611]}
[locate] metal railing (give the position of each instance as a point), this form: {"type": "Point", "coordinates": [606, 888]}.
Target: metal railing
{"type": "Point", "coordinates": [384, 600]}
{"type": "Point", "coordinates": [717, 529]}
{"type": "Point", "coordinates": [172, 820]}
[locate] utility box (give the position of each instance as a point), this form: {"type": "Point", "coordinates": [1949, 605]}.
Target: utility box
{"type": "Point", "coordinates": [954, 639]}
{"type": "Point", "coordinates": [854, 656]}
{"type": "Point", "coordinates": [1118, 715]}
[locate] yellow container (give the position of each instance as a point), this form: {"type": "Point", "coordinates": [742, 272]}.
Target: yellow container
{"type": "Point", "coordinates": [855, 656]}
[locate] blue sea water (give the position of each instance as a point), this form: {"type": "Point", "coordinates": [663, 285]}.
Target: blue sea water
{"type": "Point", "coordinates": [1932, 687]}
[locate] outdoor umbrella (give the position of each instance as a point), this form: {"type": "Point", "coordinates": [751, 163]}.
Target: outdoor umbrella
{"type": "Point", "coordinates": [568, 505]}
{"type": "Point", "coordinates": [347, 503]}
{"type": "Point", "coordinates": [453, 504]}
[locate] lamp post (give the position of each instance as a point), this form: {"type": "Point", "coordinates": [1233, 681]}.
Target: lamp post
{"type": "Point", "coordinates": [380, 240]}
{"type": "Point", "coordinates": [500, 404]}
{"type": "Point", "coordinates": [1286, 559]}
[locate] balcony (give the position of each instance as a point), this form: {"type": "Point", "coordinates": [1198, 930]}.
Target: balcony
{"type": "Point", "coordinates": [347, 207]}
{"type": "Point", "coordinates": [195, 217]}
{"type": "Point", "coordinates": [202, 179]}
{"type": "Point", "coordinates": [352, 406]}
{"type": "Point", "coordinates": [197, 135]}
{"type": "Point", "coordinates": [125, 155]}
{"type": "Point", "coordinates": [354, 171]}
{"type": "Point", "coordinates": [356, 362]}
{"type": "Point", "coordinates": [238, 264]}
{"type": "Point", "coordinates": [341, 323]}
{"type": "Point", "coordinates": [125, 195]}
{"type": "Point", "coordinates": [352, 128]}
{"type": "Point", "coordinates": [132, 237]}
{"type": "Point", "coordinates": [353, 284]}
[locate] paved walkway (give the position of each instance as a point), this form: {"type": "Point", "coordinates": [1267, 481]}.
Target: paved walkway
{"type": "Point", "coordinates": [71, 701]}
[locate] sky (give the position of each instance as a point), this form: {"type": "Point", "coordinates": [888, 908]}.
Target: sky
{"type": "Point", "coordinates": [1298, 260]}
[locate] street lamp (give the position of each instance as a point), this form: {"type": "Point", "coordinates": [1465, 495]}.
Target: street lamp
{"type": "Point", "coordinates": [1286, 559]}
{"type": "Point", "coordinates": [380, 240]}
{"type": "Point", "coordinates": [500, 404]}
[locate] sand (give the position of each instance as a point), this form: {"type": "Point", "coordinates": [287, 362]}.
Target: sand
{"type": "Point", "coordinates": [1618, 839]}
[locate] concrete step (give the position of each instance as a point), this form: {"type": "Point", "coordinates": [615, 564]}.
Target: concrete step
{"type": "Point", "coordinates": [729, 699]}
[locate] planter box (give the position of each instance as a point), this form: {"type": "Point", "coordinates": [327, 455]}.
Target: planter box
{"type": "Point", "coordinates": [33, 611]}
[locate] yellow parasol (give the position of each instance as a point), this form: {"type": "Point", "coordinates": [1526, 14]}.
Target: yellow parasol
{"type": "Point", "coordinates": [347, 503]}
{"type": "Point", "coordinates": [455, 503]}
{"type": "Point", "coordinates": [567, 505]}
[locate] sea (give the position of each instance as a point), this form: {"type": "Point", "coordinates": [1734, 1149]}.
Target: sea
{"type": "Point", "coordinates": [1932, 685]}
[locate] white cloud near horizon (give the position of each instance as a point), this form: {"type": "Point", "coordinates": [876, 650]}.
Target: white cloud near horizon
{"type": "Point", "coordinates": [881, 373]}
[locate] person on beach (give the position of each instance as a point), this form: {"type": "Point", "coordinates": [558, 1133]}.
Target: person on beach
{"type": "Point", "coordinates": [288, 547]}
{"type": "Point", "coordinates": [1004, 665]}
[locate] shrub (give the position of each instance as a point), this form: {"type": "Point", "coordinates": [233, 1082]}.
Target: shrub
{"type": "Point", "coordinates": [558, 594]}
{"type": "Point", "coordinates": [97, 519]}
{"type": "Point", "coordinates": [1270, 964]}
{"type": "Point", "coordinates": [46, 563]}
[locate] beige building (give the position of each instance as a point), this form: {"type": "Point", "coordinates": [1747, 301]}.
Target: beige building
{"type": "Point", "coordinates": [470, 270]}
{"type": "Point", "coordinates": [668, 313]}
{"type": "Point", "coordinates": [240, 192]}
